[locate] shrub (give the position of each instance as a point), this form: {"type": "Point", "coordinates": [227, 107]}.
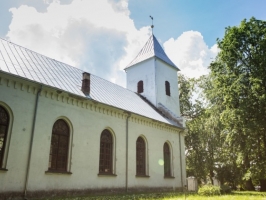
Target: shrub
{"type": "Point", "coordinates": [225, 189]}
{"type": "Point", "coordinates": [209, 190]}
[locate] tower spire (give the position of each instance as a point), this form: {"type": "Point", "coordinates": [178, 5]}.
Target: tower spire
{"type": "Point", "coordinates": [152, 26]}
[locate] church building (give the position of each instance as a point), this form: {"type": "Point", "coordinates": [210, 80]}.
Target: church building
{"type": "Point", "coordinates": [64, 131]}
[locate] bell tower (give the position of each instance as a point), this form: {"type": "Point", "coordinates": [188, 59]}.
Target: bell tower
{"type": "Point", "coordinates": [154, 76]}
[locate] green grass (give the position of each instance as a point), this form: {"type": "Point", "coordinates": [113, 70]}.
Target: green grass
{"type": "Point", "coordinates": [173, 196]}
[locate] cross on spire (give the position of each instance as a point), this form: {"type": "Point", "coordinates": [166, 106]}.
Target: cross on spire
{"type": "Point", "coordinates": [152, 26]}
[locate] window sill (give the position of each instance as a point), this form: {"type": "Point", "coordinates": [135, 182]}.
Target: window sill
{"type": "Point", "coordinates": [142, 176]}
{"type": "Point", "coordinates": [171, 177]}
{"type": "Point", "coordinates": [110, 175]}
{"type": "Point", "coordinates": [3, 169]}
{"type": "Point", "coordinates": [57, 172]}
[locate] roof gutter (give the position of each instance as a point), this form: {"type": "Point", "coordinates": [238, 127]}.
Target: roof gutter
{"type": "Point", "coordinates": [31, 141]}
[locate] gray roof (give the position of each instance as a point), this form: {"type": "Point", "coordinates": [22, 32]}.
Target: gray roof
{"type": "Point", "coordinates": [152, 48]}
{"type": "Point", "coordinates": [22, 62]}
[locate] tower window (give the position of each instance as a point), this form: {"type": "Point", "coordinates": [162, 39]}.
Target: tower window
{"type": "Point", "coordinates": [167, 88]}
{"type": "Point", "coordinates": [140, 86]}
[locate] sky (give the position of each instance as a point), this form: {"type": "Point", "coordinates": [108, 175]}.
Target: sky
{"type": "Point", "coordinates": [103, 36]}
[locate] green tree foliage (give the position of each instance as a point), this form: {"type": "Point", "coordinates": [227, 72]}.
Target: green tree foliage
{"type": "Point", "coordinates": [193, 140]}
{"type": "Point", "coordinates": [204, 139]}
{"type": "Point", "coordinates": [239, 79]}
{"type": "Point", "coordinates": [226, 110]}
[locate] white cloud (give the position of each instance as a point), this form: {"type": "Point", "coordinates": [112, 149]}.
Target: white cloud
{"type": "Point", "coordinates": [100, 37]}
{"type": "Point", "coordinates": [47, 1]}
{"type": "Point", "coordinates": [190, 53]}
{"type": "Point", "coordinates": [96, 36]}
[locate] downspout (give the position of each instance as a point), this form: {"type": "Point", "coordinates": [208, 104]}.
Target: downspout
{"type": "Point", "coordinates": [128, 116]}
{"type": "Point", "coordinates": [181, 164]}
{"type": "Point", "coordinates": [31, 142]}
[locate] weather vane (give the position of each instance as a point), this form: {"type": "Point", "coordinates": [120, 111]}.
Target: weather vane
{"type": "Point", "coordinates": [151, 24]}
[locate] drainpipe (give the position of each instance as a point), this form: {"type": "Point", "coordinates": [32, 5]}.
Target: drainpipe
{"type": "Point", "coordinates": [31, 141]}
{"type": "Point", "coordinates": [181, 167]}
{"type": "Point", "coordinates": [128, 116]}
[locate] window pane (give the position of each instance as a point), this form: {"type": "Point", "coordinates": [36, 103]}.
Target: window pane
{"type": "Point", "coordinates": [106, 148]}
{"type": "Point", "coordinates": [4, 120]}
{"type": "Point", "coordinates": [141, 157]}
{"type": "Point", "coordinates": [140, 86]}
{"type": "Point", "coordinates": [167, 159]}
{"type": "Point", "coordinates": [167, 88]}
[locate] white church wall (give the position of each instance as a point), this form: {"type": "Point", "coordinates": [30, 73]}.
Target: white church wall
{"type": "Point", "coordinates": [20, 103]}
{"type": "Point", "coordinates": [87, 120]}
{"type": "Point", "coordinates": [156, 137]}
{"type": "Point", "coordinates": [87, 128]}
{"type": "Point", "coordinates": [166, 73]}
{"type": "Point", "coordinates": [144, 71]}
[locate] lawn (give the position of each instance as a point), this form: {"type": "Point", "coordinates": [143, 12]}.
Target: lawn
{"type": "Point", "coordinates": [174, 196]}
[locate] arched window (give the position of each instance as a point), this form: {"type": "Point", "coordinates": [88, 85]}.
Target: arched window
{"type": "Point", "coordinates": [141, 156]}
{"type": "Point", "coordinates": [59, 146]}
{"type": "Point", "coordinates": [106, 153]}
{"type": "Point", "coordinates": [167, 88]}
{"type": "Point", "coordinates": [4, 122]}
{"type": "Point", "coordinates": [167, 160]}
{"type": "Point", "coordinates": [140, 86]}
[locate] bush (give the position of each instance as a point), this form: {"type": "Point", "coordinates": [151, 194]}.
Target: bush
{"type": "Point", "coordinates": [209, 190]}
{"type": "Point", "coordinates": [225, 189]}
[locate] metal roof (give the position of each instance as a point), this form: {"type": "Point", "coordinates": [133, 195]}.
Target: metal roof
{"type": "Point", "coordinates": [152, 48]}
{"type": "Point", "coordinates": [28, 64]}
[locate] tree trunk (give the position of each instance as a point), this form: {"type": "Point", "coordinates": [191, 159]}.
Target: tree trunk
{"type": "Point", "coordinates": [211, 176]}
{"type": "Point", "coordinates": [249, 185]}
{"type": "Point", "coordinates": [263, 185]}
{"type": "Point", "coordinates": [221, 179]}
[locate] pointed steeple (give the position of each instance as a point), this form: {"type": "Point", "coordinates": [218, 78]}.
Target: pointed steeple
{"type": "Point", "coordinates": [152, 48]}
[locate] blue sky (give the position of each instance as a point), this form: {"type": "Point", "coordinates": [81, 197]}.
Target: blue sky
{"type": "Point", "coordinates": [103, 36]}
{"type": "Point", "coordinates": [209, 17]}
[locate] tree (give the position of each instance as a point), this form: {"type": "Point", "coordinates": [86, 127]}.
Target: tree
{"type": "Point", "coordinates": [208, 151]}
{"type": "Point", "coordinates": [191, 110]}
{"type": "Point", "coordinates": [204, 138]}
{"type": "Point", "coordinates": [239, 79]}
